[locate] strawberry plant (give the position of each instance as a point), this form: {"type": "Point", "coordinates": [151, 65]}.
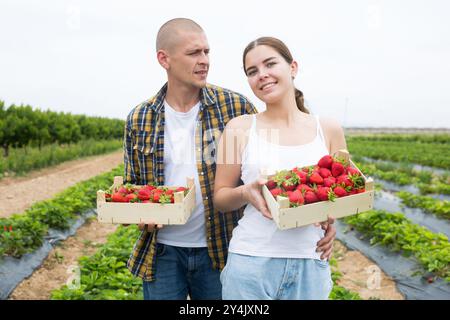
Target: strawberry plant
{"type": "Point", "coordinates": [423, 153]}
{"type": "Point", "coordinates": [104, 275]}
{"type": "Point", "coordinates": [398, 233]}
{"type": "Point", "coordinates": [428, 204]}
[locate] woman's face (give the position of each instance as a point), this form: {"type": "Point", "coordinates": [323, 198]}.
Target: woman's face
{"type": "Point", "coordinates": [268, 74]}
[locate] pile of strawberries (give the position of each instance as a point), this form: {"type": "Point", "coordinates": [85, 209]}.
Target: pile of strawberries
{"type": "Point", "coordinates": [328, 180]}
{"type": "Point", "coordinates": [144, 194]}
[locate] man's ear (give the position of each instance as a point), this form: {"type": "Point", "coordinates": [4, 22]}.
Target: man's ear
{"type": "Point", "coordinates": [163, 59]}
{"type": "Point", "coordinates": [294, 69]}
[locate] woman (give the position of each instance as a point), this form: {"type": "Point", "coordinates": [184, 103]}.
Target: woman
{"type": "Point", "coordinates": [263, 261]}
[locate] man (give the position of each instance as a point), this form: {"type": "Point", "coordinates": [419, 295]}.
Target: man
{"type": "Point", "coordinates": [168, 138]}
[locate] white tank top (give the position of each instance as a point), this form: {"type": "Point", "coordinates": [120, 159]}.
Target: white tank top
{"type": "Point", "coordinates": [256, 235]}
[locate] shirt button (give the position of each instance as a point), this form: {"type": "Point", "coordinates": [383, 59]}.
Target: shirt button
{"type": "Point", "coordinates": [206, 198]}
{"type": "Point", "coordinates": [201, 173]}
{"type": "Point", "coordinates": [210, 238]}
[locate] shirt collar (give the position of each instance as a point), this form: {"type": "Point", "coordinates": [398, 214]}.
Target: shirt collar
{"type": "Point", "coordinates": [207, 98]}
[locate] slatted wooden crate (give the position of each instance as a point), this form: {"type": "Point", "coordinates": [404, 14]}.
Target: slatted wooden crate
{"type": "Point", "coordinates": [135, 213]}
{"type": "Point", "coordinates": [287, 218]}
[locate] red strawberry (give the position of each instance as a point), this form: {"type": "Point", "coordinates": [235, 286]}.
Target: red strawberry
{"type": "Point", "coordinates": [340, 192]}
{"type": "Point", "coordinates": [123, 190]}
{"type": "Point", "coordinates": [324, 172]}
{"type": "Point", "coordinates": [288, 184]}
{"type": "Point", "coordinates": [155, 195]}
{"type": "Point", "coordinates": [360, 190]}
{"type": "Point", "coordinates": [144, 194]}
{"type": "Point", "coordinates": [315, 178]}
{"type": "Point", "coordinates": [276, 192]}
{"type": "Point", "coordinates": [337, 169]}
{"type": "Point", "coordinates": [328, 182]}
{"type": "Point", "coordinates": [322, 193]}
{"type": "Point", "coordinates": [310, 197]}
{"type": "Point", "coordinates": [132, 197]}
{"type": "Point", "coordinates": [148, 187]}
{"type": "Point", "coordinates": [179, 189]}
{"type": "Point", "coordinates": [302, 176]}
{"type": "Point", "coordinates": [325, 162]}
{"type": "Point", "coordinates": [352, 171]}
{"type": "Point", "coordinates": [271, 184]}
{"type": "Point", "coordinates": [344, 180]}
{"type": "Point", "coordinates": [308, 169]}
{"type": "Point", "coordinates": [296, 198]}
{"type": "Point", "coordinates": [118, 197]}
{"type": "Point", "coordinates": [304, 188]}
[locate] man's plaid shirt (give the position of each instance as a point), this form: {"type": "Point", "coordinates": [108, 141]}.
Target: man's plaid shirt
{"type": "Point", "coordinates": [144, 163]}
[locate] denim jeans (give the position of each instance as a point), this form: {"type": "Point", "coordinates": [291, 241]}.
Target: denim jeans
{"type": "Point", "coordinates": [264, 278]}
{"type": "Point", "coordinates": [181, 272]}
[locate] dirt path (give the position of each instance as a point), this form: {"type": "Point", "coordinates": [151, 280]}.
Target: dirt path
{"type": "Point", "coordinates": [56, 269]}
{"type": "Point", "coordinates": [44, 184]}
{"type": "Point", "coordinates": [361, 275]}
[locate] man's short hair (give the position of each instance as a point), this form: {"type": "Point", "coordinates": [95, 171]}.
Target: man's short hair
{"type": "Point", "coordinates": [168, 34]}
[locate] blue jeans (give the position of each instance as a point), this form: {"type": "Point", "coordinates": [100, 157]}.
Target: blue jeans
{"type": "Point", "coordinates": [181, 272]}
{"type": "Point", "coordinates": [264, 278]}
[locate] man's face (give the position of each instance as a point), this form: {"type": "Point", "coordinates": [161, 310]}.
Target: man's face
{"type": "Point", "coordinates": [188, 60]}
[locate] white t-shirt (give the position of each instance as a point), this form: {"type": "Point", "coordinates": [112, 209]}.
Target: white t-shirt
{"type": "Point", "coordinates": [179, 163]}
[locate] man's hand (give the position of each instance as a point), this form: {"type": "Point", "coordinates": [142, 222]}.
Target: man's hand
{"type": "Point", "coordinates": [151, 226]}
{"type": "Point", "coordinates": [252, 193]}
{"type": "Point", "coordinates": [325, 244]}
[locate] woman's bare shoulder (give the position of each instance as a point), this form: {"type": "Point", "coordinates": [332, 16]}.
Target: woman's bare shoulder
{"type": "Point", "coordinates": [243, 122]}
{"type": "Point", "coordinates": [330, 125]}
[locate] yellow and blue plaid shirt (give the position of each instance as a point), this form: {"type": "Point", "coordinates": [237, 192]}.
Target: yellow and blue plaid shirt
{"type": "Point", "coordinates": [144, 163]}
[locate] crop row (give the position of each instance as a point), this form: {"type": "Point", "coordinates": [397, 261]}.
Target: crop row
{"type": "Point", "coordinates": [425, 181]}
{"type": "Point", "coordinates": [25, 232]}
{"type": "Point", "coordinates": [427, 204]}
{"type": "Point", "coordinates": [443, 138]}
{"type": "Point", "coordinates": [398, 233]}
{"type": "Point", "coordinates": [426, 154]}
{"type": "Point", "coordinates": [20, 161]}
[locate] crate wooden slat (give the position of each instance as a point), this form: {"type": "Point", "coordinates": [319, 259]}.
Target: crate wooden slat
{"type": "Point", "coordinates": [287, 218]}
{"type": "Point", "coordinates": [135, 213]}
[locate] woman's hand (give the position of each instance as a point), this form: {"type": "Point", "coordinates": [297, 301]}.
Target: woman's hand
{"type": "Point", "coordinates": [325, 244]}
{"type": "Point", "coordinates": [252, 193]}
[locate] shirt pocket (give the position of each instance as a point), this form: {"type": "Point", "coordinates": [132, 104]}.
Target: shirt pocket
{"type": "Point", "coordinates": [143, 143]}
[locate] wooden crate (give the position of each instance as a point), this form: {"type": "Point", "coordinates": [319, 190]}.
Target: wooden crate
{"type": "Point", "coordinates": [135, 213]}
{"type": "Point", "coordinates": [287, 218]}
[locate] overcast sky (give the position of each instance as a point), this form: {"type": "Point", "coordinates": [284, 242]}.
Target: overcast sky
{"type": "Point", "coordinates": [363, 62]}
